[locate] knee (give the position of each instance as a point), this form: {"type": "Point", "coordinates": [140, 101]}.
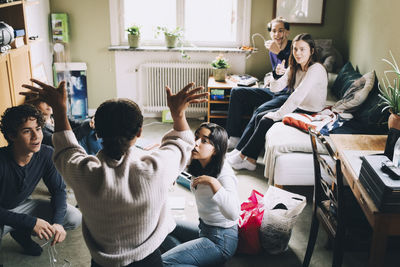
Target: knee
{"type": "Point", "coordinates": [73, 218]}
{"type": "Point", "coordinates": [237, 91]}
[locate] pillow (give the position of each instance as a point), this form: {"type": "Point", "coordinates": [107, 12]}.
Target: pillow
{"type": "Point", "coordinates": [344, 80]}
{"type": "Point", "coordinates": [329, 56]}
{"type": "Point", "coordinates": [370, 114]}
{"type": "Point", "coordinates": [356, 94]}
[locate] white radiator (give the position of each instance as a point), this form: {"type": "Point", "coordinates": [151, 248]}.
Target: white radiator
{"type": "Point", "coordinates": [154, 76]}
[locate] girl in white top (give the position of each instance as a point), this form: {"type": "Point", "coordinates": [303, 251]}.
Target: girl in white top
{"type": "Point", "coordinates": [308, 80]}
{"type": "Point", "coordinates": [214, 241]}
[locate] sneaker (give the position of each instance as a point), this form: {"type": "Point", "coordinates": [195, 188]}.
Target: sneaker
{"type": "Point", "coordinates": [234, 159]}
{"type": "Point", "coordinates": [232, 153]}
{"type": "Point", "coordinates": [24, 239]}
{"type": "Point", "coordinates": [232, 142]}
{"type": "Point", "coordinates": [243, 164]}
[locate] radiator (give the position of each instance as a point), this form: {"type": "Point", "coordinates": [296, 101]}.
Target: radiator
{"type": "Point", "coordinates": [154, 76]}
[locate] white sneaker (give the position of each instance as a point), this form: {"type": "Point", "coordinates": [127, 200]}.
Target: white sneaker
{"type": "Point", "coordinates": [235, 158]}
{"type": "Point", "coordinates": [244, 164]}
{"type": "Point", "coordinates": [232, 142]}
{"type": "Point", "coordinates": [232, 153]}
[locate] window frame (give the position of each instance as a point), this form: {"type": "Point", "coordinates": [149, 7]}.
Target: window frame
{"type": "Point", "coordinates": [243, 26]}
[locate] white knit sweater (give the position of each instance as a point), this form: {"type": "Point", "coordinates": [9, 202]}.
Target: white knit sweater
{"type": "Point", "coordinates": [310, 90]}
{"type": "Point", "coordinates": [125, 217]}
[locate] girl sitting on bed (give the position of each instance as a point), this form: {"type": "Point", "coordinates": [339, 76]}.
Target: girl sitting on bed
{"type": "Point", "coordinates": [307, 79]}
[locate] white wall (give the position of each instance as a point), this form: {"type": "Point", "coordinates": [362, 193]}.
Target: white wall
{"type": "Point", "coordinates": [37, 20]}
{"type": "Point", "coordinates": [127, 64]}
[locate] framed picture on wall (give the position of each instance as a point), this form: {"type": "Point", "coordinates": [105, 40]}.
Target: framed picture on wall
{"type": "Point", "coordinates": [300, 11]}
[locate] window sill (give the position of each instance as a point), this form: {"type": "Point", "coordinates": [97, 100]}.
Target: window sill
{"type": "Point", "coordinates": [186, 49]}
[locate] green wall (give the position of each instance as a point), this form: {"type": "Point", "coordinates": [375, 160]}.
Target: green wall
{"type": "Point", "coordinates": [90, 38]}
{"type": "Point", "coordinates": [372, 29]}
{"type": "Point", "coordinates": [258, 64]}
{"type": "Point", "coordinates": [89, 41]}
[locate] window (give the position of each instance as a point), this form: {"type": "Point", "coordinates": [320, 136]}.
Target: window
{"type": "Point", "coordinates": [218, 23]}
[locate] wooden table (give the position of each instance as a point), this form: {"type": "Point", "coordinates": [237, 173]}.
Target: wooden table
{"type": "Point", "coordinates": [383, 224]}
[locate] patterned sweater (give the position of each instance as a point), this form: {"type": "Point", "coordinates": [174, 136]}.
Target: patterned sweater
{"type": "Point", "coordinates": [123, 202]}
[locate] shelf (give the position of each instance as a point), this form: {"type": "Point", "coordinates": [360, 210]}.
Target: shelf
{"type": "Point", "coordinates": [15, 3]}
{"type": "Point", "coordinates": [214, 116]}
{"type": "Point", "coordinates": [218, 101]}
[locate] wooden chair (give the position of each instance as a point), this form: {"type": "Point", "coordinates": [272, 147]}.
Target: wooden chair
{"type": "Point", "coordinates": [328, 202]}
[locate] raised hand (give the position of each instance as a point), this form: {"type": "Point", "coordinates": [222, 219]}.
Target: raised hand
{"type": "Point", "coordinates": [280, 68]}
{"type": "Point", "coordinates": [179, 102]}
{"type": "Point", "coordinates": [55, 97]}
{"type": "Point", "coordinates": [43, 229]}
{"type": "Point", "coordinates": [272, 46]}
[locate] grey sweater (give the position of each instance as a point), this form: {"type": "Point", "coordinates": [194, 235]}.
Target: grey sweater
{"type": "Point", "coordinates": [125, 217]}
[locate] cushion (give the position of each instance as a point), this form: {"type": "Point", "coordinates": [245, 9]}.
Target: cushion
{"type": "Point", "coordinates": [344, 80]}
{"type": "Point", "coordinates": [329, 56]}
{"type": "Point", "coordinates": [370, 114]}
{"type": "Point", "coordinates": [356, 94]}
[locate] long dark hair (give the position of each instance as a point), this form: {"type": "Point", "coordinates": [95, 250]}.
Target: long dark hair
{"type": "Point", "coordinates": [117, 121]}
{"type": "Point", "coordinates": [219, 139]}
{"type": "Point", "coordinates": [294, 66]}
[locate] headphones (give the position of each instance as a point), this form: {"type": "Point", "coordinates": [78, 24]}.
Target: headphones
{"type": "Point", "coordinates": [286, 24]}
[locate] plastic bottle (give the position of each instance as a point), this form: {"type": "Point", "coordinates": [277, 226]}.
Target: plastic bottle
{"type": "Point", "coordinates": [396, 153]}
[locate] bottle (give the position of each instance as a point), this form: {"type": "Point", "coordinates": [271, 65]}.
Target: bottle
{"type": "Point", "coordinates": [396, 154]}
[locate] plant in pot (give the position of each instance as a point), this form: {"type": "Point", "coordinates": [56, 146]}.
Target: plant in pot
{"type": "Point", "coordinates": [220, 67]}
{"type": "Point", "coordinates": [390, 93]}
{"type": "Point", "coordinates": [133, 36]}
{"type": "Point", "coordinates": [173, 38]}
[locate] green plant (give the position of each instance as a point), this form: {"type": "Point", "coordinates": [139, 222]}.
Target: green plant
{"type": "Point", "coordinates": [134, 30]}
{"type": "Point", "coordinates": [178, 34]}
{"type": "Point", "coordinates": [220, 62]}
{"type": "Point", "coordinates": [390, 93]}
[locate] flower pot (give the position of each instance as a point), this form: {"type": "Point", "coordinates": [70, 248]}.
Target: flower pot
{"type": "Point", "coordinates": [133, 40]}
{"type": "Point", "coordinates": [219, 74]}
{"type": "Point", "coordinates": [170, 41]}
{"type": "Point", "coordinates": [394, 121]}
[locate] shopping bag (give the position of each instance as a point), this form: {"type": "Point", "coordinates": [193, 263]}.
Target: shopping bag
{"type": "Point", "coordinates": [249, 224]}
{"type": "Point", "coordinates": [281, 210]}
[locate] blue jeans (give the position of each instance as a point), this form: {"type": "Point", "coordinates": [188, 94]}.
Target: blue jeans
{"type": "Point", "coordinates": [244, 100]}
{"type": "Point", "coordinates": [42, 209]}
{"type": "Point", "coordinates": [204, 245]}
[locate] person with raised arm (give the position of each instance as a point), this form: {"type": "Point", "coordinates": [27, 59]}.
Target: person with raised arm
{"type": "Point", "coordinates": [122, 196]}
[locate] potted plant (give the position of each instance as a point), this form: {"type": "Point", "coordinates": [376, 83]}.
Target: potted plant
{"type": "Point", "coordinates": [220, 66]}
{"type": "Point", "coordinates": [133, 36]}
{"type": "Point", "coordinates": [390, 93]}
{"type": "Point", "coordinates": [172, 37]}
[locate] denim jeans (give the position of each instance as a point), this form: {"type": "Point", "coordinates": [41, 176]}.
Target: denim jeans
{"type": "Point", "coordinates": [244, 100]}
{"type": "Point", "coordinates": [204, 245]}
{"type": "Point", "coordinates": [42, 209]}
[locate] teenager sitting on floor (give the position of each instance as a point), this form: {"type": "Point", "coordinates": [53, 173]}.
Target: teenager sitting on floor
{"type": "Point", "coordinates": [122, 195]}
{"type": "Point", "coordinates": [214, 185]}
{"type": "Point", "coordinates": [307, 79]}
{"type": "Point", "coordinates": [23, 163]}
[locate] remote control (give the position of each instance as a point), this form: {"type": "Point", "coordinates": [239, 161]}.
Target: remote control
{"type": "Point", "coordinates": [389, 168]}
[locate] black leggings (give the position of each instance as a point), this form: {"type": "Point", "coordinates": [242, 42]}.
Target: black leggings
{"type": "Point", "coordinates": [153, 260]}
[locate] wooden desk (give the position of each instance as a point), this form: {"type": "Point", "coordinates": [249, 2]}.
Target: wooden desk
{"type": "Point", "coordinates": [383, 224]}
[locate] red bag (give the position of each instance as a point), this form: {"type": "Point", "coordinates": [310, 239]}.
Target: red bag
{"type": "Point", "coordinates": [249, 224]}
